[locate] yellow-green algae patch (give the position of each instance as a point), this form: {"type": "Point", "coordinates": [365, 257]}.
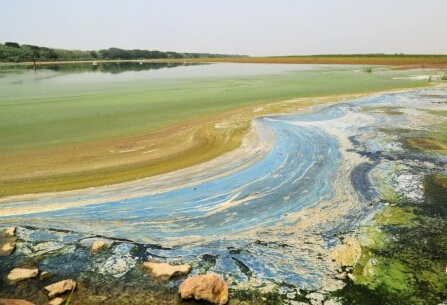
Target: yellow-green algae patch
{"type": "Point", "coordinates": [382, 110]}
{"type": "Point", "coordinates": [125, 159]}
{"type": "Point", "coordinates": [403, 249]}
{"type": "Point", "coordinates": [434, 140]}
{"type": "Point", "coordinates": [403, 256]}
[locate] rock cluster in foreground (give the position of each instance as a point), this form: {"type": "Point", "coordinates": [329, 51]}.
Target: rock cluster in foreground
{"type": "Point", "coordinates": [115, 271]}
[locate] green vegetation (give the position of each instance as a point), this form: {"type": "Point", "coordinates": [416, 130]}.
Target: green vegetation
{"type": "Point", "coordinates": [14, 52]}
{"type": "Point", "coordinates": [434, 140]}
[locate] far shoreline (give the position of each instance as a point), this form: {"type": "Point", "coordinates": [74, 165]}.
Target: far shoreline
{"type": "Point", "coordinates": [398, 61]}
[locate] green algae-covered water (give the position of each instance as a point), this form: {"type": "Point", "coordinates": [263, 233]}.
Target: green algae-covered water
{"type": "Point", "coordinates": [68, 104]}
{"type": "Point", "coordinates": [65, 105]}
{"type": "Point", "coordinates": [354, 152]}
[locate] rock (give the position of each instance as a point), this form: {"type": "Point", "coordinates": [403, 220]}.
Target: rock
{"type": "Point", "coordinates": [209, 287]}
{"type": "Point", "coordinates": [7, 246]}
{"type": "Point", "coordinates": [15, 302]}
{"type": "Point", "coordinates": [56, 301]}
{"type": "Point", "coordinates": [44, 275]}
{"type": "Point", "coordinates": [164, 270]}
{"type": "Point", "coordinates": [7, 241]}
{"type": "Point", "coordinates": [21, 274]}
{"type": "Point", "coordinates": [8, 232]}
{"type": "Point", "coordinates": [98, 245]}
{"type": "Point", "coordinates": [60, 287]}
{"type": "Point", "coordinates": [348, 253]}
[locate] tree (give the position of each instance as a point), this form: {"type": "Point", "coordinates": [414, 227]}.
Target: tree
{"type": "Point", "coordinates": [52, 54]}
{"type": "Point", "coordinates": [12, 44]}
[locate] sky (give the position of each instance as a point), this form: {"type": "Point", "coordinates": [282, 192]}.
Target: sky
{"type": "Point", "coordinates": [248, 27]}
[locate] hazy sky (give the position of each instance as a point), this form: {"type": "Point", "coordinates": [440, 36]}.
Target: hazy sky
{"type": "Point", "coordinates": [252, 27]}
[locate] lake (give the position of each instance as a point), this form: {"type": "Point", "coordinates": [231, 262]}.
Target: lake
{"type": "Point", "coordinates": [73, 104]}
{"type": "Point", "coordinates": [267, 214]}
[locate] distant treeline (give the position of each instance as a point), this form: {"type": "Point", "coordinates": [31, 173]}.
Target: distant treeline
{"type": "Point", "coordinates": [14, 52]}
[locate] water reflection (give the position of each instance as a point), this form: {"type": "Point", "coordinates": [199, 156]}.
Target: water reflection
{"type": "Point", "coordinates": [112, 67]}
